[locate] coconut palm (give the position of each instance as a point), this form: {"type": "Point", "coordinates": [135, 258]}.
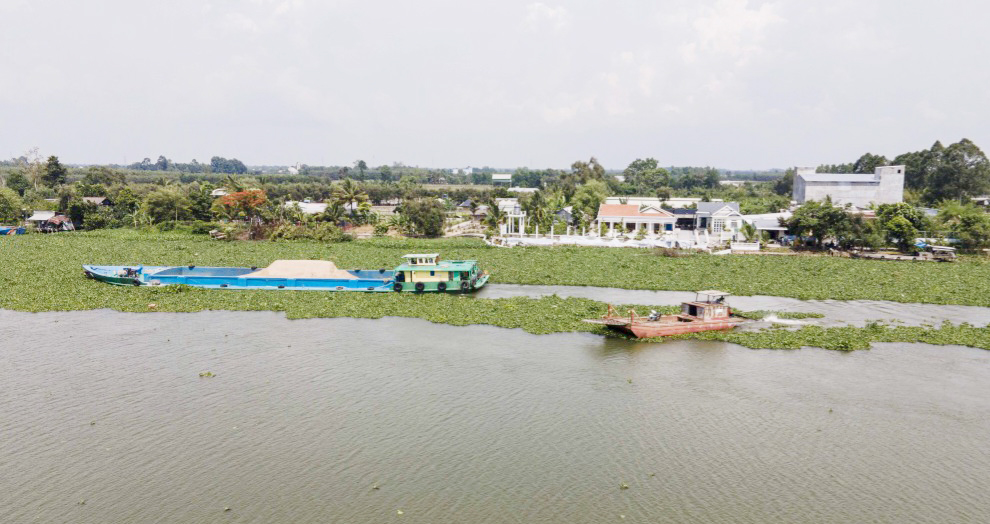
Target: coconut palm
{"type": "Point", "coordinates": [749, 232]}
{"type": "Point", "coordinates": [334, 213]}
{"type": "Point", "coordinates": [232, 184]}
{"type": "Point", "coordinates": [495, 215]}
{"type": "Point", "coordinates": [348, 194]}
{"type": "Point", "coordinates": [536, 207]}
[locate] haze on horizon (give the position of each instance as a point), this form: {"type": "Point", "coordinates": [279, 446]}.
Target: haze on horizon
{"type": "Point", "coordinates": [731, 83]}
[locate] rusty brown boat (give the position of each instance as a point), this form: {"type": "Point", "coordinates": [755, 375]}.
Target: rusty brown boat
{"type": "Point", "coordinates": [707, 312]}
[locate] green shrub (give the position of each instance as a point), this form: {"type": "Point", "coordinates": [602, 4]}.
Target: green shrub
{"type": "Point", "coordinates": [200, 227]}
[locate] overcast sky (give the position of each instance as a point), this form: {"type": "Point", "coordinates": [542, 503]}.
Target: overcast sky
{"type": "Point", "coordinates": [731, 83]}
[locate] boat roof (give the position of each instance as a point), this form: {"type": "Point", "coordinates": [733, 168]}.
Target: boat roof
{"type": "Point", "coordinates": [443, 265]}
{"type": "Point", "coordinates": [422, 255]}
{"type": "Point", "coordinates": [713, 293]}
{"type": "Point", "coordinates": [41, 216]}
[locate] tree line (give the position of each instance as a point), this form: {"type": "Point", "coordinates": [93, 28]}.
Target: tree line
{"type": "Point", "coordinates": [958, 171]}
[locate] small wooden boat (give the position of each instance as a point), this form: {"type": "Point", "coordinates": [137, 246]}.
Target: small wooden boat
{"type": "Point", "coordinates": [926, 253]}
{"type": "Point", "coordinates": [419, 274]}
{"type": "Point", "coordinates": [708, 312]}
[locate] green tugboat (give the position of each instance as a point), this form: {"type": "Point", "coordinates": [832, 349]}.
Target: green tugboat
{"type": "Point", "coordinates": [426, 272]}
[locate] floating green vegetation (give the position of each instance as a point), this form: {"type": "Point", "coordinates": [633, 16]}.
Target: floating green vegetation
{"type": "Point", "coordinates": [55, 258]}
{"type": "Point", "coordinates": [43, 273]}
{"type": "Point", "coordinates": [849, 338]}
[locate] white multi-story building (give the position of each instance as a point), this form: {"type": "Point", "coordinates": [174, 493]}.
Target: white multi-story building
{"type": "Point", "coordinates": [885, 186]}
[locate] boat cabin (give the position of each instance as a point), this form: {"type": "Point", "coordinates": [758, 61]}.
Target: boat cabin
{"type": "Point", "coordinates": [943, 253]}
{"type": "Point", "coordinates": [707, 305]}
{"type": "Point", "coordinates": [422, 260]}
{"type": "Point", "coordinates": [429, 268]}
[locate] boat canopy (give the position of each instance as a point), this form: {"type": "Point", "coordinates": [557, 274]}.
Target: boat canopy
{"type": "Point", "coordinates": [711, 295]}
{"type": "Point", "coordinates": [421, 259]}
{"type": "Point", "coordinates": [446, 265]}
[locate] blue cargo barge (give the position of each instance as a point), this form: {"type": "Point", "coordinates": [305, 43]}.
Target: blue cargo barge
{"type": "Point", "coordinates": [303, 275]}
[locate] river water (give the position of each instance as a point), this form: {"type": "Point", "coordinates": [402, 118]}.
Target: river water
{"type": "Point", "coordinates": [104, 418]}
{"type": "Point", "coordinates": [836, 312]}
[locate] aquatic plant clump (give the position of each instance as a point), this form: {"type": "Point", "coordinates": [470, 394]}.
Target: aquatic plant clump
{"type": "Point", "coordinates": [43, 273]}
{"type": "Point", "coordinates": [966, 282]}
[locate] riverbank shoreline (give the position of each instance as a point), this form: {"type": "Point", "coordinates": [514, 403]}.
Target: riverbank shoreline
{"type": "Point", "coordinates": [53, 262]}
{"type": "Point", "coordinates": [43, 273]}
{"type": "Point", "coordinates": [556, 315]}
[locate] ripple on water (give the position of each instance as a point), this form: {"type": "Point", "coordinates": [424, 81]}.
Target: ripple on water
{"type": "Point", "coordinates": [473, 424]}
{"type": "Point", "coordinates": [836, 312]}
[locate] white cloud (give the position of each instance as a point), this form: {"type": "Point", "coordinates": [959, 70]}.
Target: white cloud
{"type": "Point", "coordinates": [241, 22]}
{"type": "Point", "coordinates": [12, 5]}
{"type": "Point", "coordinates": [732, 29]}
{"type": "Point", "coordinates": [540, 15]}
{"type": "Point", "coordinates": [568, 107]}
{"type": "Point", "coordinates": [773, 82]}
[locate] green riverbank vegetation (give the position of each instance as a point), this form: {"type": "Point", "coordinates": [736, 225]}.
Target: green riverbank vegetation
{"type": "Point", "coordinates": [42, 273]}
{"type": "Point", "coordinates": [46, 268]}
{"type": "Point", "coordinates": [252, 202]}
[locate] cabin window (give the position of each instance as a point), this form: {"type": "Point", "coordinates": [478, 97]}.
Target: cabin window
{"type": "Point", "coordinates": [433, 273]}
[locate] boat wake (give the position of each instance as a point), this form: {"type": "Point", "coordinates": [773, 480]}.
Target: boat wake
{"type": "Point", "coordinates": [786, 321]}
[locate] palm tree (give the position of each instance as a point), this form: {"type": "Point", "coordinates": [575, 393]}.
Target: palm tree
{"type": "Point", "coordinates": [232, 184]}
{"type": "Point", "coordinates": [537, 208]}
{"type": "Point", "coordinates": [495, 215]}
{"type": "Point", "coordinates": [334, 213]}
{"type": "Point", "coordinates": [348, 194]}
{"type": "Point", "coordinates": [749, 232]}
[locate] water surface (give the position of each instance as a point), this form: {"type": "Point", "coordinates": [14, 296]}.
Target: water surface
{"type": "Point", "coordinates": [473, 424]}
{"type": "Point", "coordinates": [836, 312]}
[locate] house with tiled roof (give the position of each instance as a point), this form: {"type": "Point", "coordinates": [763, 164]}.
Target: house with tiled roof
{"type": "Point", "coordinates": [628, 218]}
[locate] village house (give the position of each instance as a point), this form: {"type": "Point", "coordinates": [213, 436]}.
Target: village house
{"type": "Point", "coordinates": [307, 207]}
{"type": "Point", "coordinates": [884, 186]}
{"type": "Point", "coordinates": [502, 178]}
{"type": "Point", "coordinates": [479, 213]}
{"type": "Point", "coordinates": [655, 220]}
{"type": "Point", "coordinates": [98, 200]}
{"type": "Point", "coordinates": [769, 223]}
{"type": "Point", "coordinates": [50, 222]}
{"type": "Point", "coordinates": [718, 217]}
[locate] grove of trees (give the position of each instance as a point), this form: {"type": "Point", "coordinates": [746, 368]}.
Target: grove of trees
{"type": "Point", "coordinates": [958, 171]}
